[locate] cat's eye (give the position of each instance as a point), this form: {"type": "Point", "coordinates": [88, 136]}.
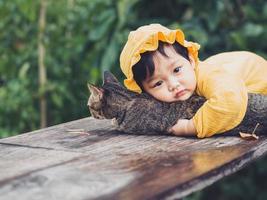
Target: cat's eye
{"type": "Point", "coordinates": [177, 69]}
{"type": "Point", "coordinates": [157, 84]}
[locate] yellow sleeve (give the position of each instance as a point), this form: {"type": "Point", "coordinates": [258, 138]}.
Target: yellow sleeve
{"type": "Point", "coordinates": [226, 103]}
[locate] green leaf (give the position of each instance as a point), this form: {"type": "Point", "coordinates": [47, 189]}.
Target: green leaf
{"type": "Point", "coordinates": [253, 30]}
{"type": "Point", "coordinates": [104, 21]}
{"type": "Point", "coordinates": [29, 8]}
{"type": "Point", "coordinates": [23, 70]}
{"type": "Point", "coordinates": [239, 40]}
{"type": "Point", "coordinates": [110, 55]}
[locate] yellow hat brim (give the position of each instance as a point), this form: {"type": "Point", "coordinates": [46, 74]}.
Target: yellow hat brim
{"type": "Point", "coordinates": [144, 39]}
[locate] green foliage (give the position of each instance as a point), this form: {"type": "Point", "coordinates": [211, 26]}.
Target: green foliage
{"type": "Point", "coordinates": [17, 98]}
{"type": "Point", "coordinates": [81, 39]}
{"type": "Point", "coordinates": [84, 37]}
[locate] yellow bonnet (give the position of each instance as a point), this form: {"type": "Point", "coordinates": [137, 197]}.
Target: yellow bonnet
{"type": "Point", "coordinates": [145, 39]}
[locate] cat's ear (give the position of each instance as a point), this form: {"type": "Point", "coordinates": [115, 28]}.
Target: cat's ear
{"type": "Point", "coordinates": [109, 77]}
{"type": "Point", "coordinates": [96, 92]}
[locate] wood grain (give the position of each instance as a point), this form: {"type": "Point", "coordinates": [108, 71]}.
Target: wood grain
{"type": "Point", "coordinates": [54, 163]}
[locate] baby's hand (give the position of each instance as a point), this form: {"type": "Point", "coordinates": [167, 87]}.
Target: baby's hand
{"type": "Point", "coordinates": [183, 127]}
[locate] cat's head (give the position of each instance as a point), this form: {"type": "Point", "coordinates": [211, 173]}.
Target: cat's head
{"type": "Point", "coordinates": [110, 100]}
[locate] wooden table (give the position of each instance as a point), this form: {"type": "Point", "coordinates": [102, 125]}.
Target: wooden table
{"type": "Point", "coordinates": [59, 163]}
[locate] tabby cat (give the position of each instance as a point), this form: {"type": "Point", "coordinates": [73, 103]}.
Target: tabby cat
{"type": "Point", "coordinates": [143, 114]}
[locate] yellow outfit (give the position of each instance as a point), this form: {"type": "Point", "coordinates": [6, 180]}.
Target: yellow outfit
{"type": "Point", "coordinates": [223, 79]}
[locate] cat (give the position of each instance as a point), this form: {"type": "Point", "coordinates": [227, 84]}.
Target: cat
{"type": "Point", "coordinates": [143, 114]}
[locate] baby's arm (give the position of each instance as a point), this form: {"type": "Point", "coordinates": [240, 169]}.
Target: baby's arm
{"type": "Point", "coordinates": [226, 104]}
{"type": "Point", "coordinates": [183, 127]}
{"type": "Point", "coordinates": [224, 109]}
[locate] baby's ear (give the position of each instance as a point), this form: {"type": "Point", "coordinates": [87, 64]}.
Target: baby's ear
{"type": "Point", "coordinates": [109, 77]}
{"type": "Point", "coordinates": [96, 93]}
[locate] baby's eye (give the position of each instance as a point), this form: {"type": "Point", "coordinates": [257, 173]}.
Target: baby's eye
{"type": "Point", "coordinates": [157, 84]}
{"type": "Point", "coordinates": [177, 69]}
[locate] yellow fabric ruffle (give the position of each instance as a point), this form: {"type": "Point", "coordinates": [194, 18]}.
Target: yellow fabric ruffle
{"type": "Point", "coordinates": [145, 39]}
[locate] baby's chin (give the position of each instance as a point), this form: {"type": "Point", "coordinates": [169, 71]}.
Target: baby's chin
{"type": "Point", "coordinates": [174, 99]}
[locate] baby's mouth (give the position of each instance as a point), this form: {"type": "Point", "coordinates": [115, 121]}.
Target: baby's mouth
{"type": "Point", "coordinates": [180, 93]}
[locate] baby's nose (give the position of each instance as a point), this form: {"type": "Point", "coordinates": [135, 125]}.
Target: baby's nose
{"type": "Point", "coordinates": [174, 86]}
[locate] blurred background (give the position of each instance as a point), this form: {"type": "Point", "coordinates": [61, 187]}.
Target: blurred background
{"type": "Point", "coordinates": [49, 50]}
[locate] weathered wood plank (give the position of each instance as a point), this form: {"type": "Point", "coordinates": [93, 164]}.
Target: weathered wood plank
{"type": "Point", "coordinates": [56, 137]}
{"type": "Point", "coordinates": [54, 163]}
{"type": "Point", "coordinates": [17, 161]}
{"type": "Point", "coordinates": [102, 134]}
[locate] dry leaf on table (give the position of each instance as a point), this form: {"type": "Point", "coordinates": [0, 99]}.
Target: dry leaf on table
{"type": "Point", "coordinates": [248, 136]}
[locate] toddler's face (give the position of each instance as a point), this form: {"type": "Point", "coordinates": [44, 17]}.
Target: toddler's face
{"type": "Point", "coordinates": [173, 79]}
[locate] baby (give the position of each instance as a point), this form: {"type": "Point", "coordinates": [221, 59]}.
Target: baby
{"type": "Point", "coordinates": [159, 61]}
